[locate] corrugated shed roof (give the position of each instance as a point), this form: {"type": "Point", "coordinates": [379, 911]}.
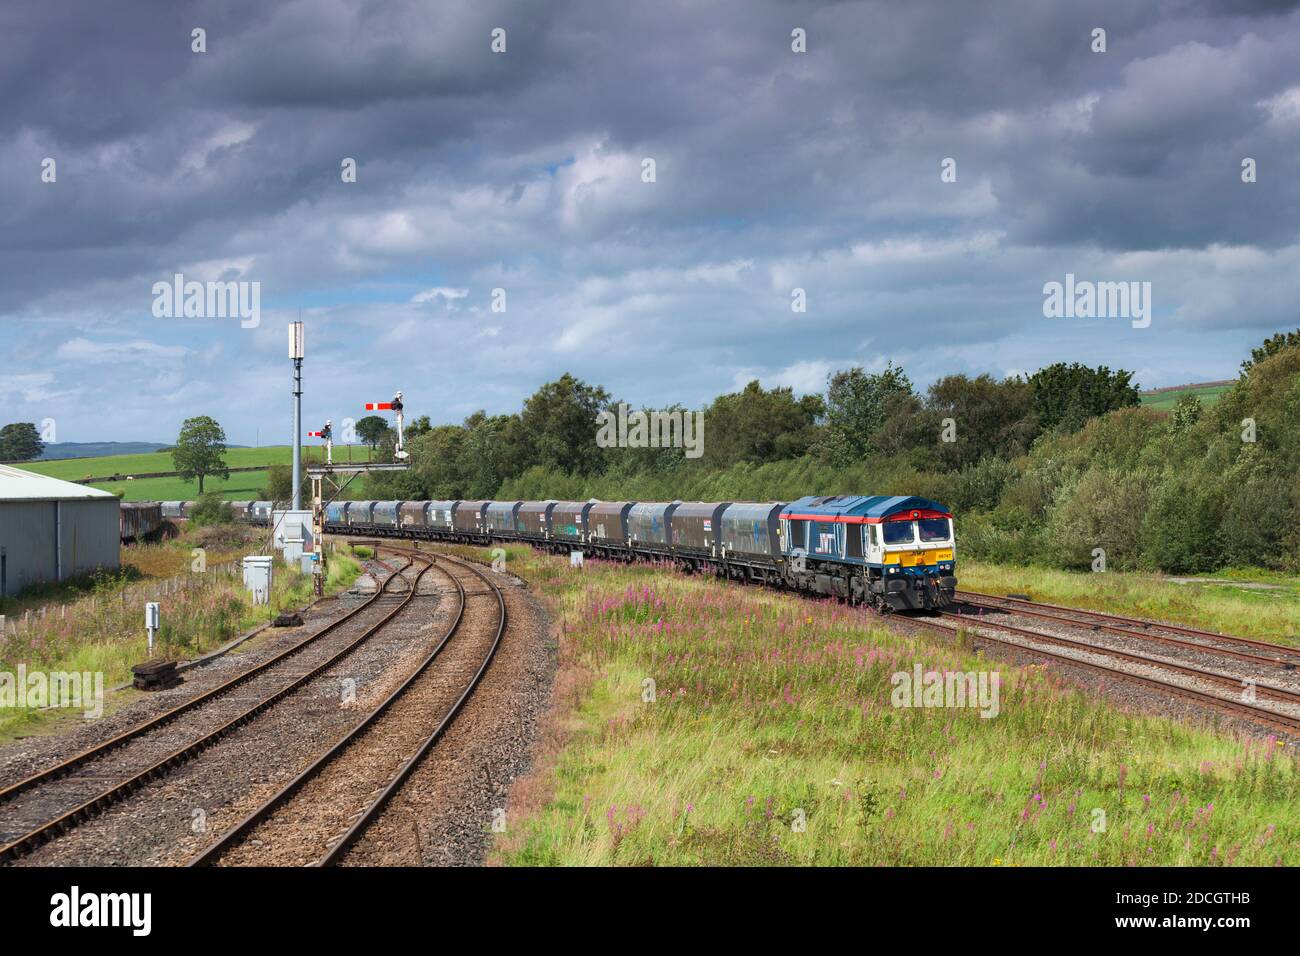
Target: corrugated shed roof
{"type": "Point", "coordinates": [19, 485]}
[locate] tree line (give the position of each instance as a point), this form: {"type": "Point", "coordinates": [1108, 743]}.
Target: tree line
{"type": "Point", "coordinates": [1063, 467]}
{"type": "Point", "coordinates": [862, 417]}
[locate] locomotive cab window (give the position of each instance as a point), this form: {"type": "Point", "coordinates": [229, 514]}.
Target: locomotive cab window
{"type": "Point", "coordinates": [899, 532]}
{"type": "Point", "coordinates": [799, 535]}
{"type": "Point", "coordinates": [934, 529]}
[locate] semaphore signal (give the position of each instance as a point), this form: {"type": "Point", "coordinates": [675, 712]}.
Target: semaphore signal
{"type": "Point", "coordinates": [399, 453]}
{"type": "Point", "coordinates": [326, 433]}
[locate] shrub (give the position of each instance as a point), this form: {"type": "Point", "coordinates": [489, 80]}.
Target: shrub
{"type": "Point", "coordinates": [1182, 524]}
{"type": "Point", "coordinates": [211, 509]}
{"type": "Point", "coordinates": [1103, 509]}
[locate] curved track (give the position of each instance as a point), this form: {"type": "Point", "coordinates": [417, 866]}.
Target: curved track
{"type": "Point", "coordinates": [59, 798]}
{"type": "Point", "coordinates": [300, 822]}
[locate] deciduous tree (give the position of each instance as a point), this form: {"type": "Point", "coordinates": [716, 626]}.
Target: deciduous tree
{"type": "Point", "coordinates": [200, 450]}
{"type": "Point", "coordinates": [20, 441]}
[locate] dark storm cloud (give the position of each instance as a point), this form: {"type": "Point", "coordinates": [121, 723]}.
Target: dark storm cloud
{"type": "Point", "coordinates": [522, 171]}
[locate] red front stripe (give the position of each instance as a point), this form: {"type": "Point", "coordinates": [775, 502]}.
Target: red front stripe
{"type": "Point", "coordinates": [856, 519]}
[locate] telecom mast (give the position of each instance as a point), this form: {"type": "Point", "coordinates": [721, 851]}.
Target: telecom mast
{"type": "Point", "coordinates": [296, 353]}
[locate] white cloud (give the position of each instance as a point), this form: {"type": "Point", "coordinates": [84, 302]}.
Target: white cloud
{"type": "Point", "coordinates": [446, 293]}
{"type": "Point", "coordinates": [142, 351]}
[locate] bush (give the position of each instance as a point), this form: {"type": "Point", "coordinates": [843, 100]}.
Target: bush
{"type": "Point", "coordinates": [1255, 529]}
{"type": "Point", "coordinates": [1103, 509]}
{"type": "Point", "coordinates": [979, 487]}
{"type": "Point", "coordinates": [1182, 525]}
{"type": "Point", "coordinates": [211, 509]}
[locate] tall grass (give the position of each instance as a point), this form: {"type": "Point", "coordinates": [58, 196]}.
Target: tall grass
{"type": "Point", "coordinates": [769, 710]}
{"type": "Point", "coordinates": [1268, 613]}
{"type": "Point", "coordinates": [103, 631]}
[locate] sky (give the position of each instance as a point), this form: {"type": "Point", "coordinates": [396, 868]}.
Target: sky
{"type": "Point", "coordinates": [920, 171]}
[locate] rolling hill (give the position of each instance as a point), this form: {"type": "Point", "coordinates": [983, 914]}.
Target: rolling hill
{"type": "Point", "coordinates": [1164, 399]}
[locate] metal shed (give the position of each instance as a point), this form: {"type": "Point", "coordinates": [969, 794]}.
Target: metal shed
{"type": "Point", "coordinates": [140, 518]}
{"type": "Point", "coordinates": [51, 530]}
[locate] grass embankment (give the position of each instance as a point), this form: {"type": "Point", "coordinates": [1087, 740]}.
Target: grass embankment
{"type": "Point", "coordinates": [100, 629]}
{"type": "Point", "coordinates": [768, 710]}
{"type": "Point", "coordinates": [1223, 604]}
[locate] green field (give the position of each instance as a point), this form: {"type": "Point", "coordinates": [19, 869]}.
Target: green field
{"type": "Point", "coordinates": [74, 469]}
{"type": "Point", "coordinates": [241, 485]}
{"type": "Point", "coordinates": [1165, 401]}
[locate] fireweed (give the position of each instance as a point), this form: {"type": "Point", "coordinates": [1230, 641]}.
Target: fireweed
{"type": "Point", "coordinates": [749, 727]}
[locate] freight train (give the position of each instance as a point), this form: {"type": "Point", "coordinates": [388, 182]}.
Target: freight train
{"type": "Point", "coordinates": [139, 519]}
{"type": "Point", "coordinates": [895, 553]}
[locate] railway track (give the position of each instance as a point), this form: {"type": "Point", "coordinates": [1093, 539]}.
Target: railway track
{"type": "Point", "coordinates": [98, 750]}
{"type": "Point", "coordinates": [49, 803]}
{"type": "Point", "coordinates": [317, 816]}
{"type": "Point", "coordinates": [1263, 716]}
{"type": "Point", "coordinates": [1273, 655]}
